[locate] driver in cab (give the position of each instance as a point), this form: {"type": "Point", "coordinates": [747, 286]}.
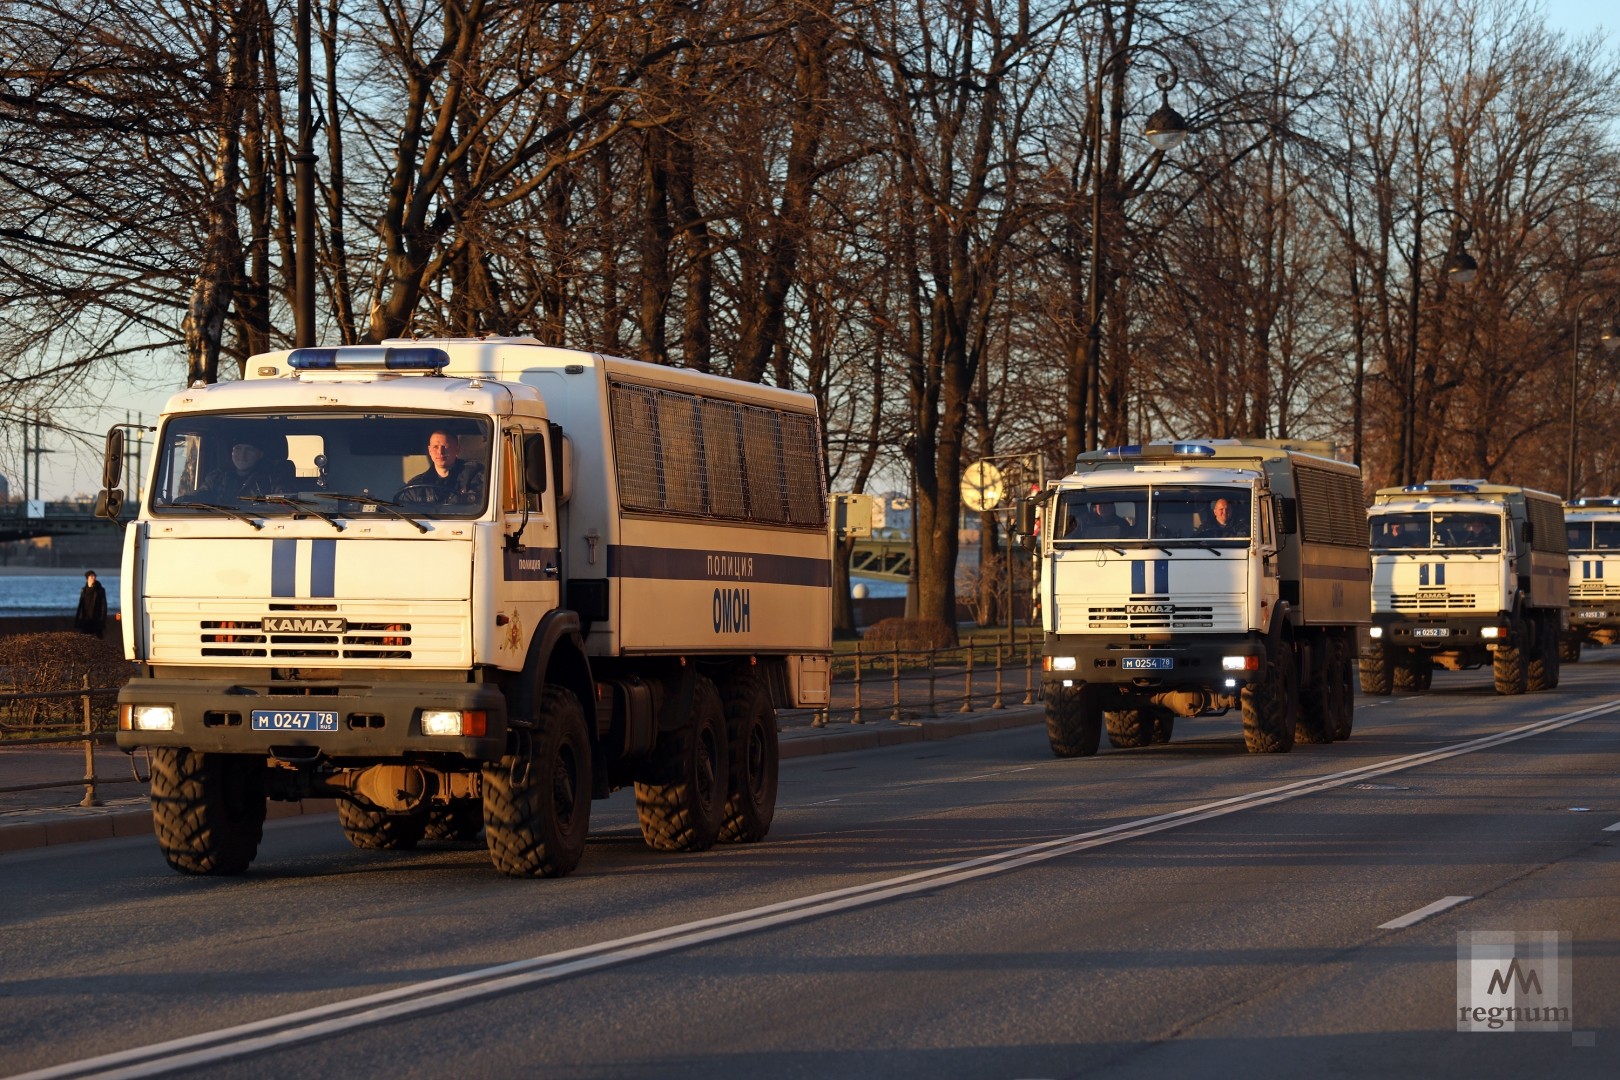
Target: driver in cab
{"type": "Point", "coordinates": [447, 479]}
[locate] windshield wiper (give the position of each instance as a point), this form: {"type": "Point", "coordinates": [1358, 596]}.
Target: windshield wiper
{"type": "Point", "coordinates": [371, 500]}
{"type": "Point", "coordinates": [216, 508]}
{"type": "Point", "coordinates": [288, 500]}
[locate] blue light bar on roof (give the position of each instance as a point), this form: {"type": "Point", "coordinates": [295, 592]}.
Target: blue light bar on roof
{"type": "Point", "coordinates": [1192, 449]}
{"type": "Point", "coordinates": [1132, 451]}
{"type": "Point", "coordinates": [370, 358]}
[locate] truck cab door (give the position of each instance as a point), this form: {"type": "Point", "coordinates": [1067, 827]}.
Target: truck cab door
{"type": "Point", "coordinates": [531, 564]}
{"type": "Point", "coordinates": [1269, 544]}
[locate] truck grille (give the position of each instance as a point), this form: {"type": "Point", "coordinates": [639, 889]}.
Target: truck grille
{"type": "Point", "coordinates": [244, 637]}
{"type": "Point", "coordinates": [1123, 617]}
{"type": "Point", "coordinates": [1595, 590]}
{"type": "Point", "coordinates": [1432, 601]}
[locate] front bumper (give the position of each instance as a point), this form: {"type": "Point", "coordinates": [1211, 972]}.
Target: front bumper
{"type": "Point", "coordinates": [1168, 662]}
{"type": "Point", "coordinates": [375, 721]}
{"type": "Point", "coordinates": [1438, 632]}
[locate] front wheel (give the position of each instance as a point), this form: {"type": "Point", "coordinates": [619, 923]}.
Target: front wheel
{"type": "Point", "coordinates": [207, 809]}
{"type": "Point", "coordinates": [1271, 706]}
{"type": "Point", "coordinates": [1509, 668]}
{"type": "Point", "coordinates": [537, 800]}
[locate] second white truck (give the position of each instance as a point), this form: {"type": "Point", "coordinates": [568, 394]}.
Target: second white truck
{"type": "Point", "coordinates": [1466, 574]}
{"type": "Point", "coordinates": [1197, 579]}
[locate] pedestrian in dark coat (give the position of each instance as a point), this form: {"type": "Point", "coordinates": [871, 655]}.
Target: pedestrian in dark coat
{"type": "Point", "coordinates": [91, 618]}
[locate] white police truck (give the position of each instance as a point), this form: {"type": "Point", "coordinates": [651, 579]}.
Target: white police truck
{"type": "Point", "coordinates": [1193, 579]}
{"type": "Point", "coordinates": [1592, 529]}
{"type": "Point", "coordinates": [1466, 573]}
{"type": "Point", "coordinates": [470, 585]}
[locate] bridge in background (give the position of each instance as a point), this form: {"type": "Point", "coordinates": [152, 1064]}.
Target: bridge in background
{"type": "Point", "coordinates": [886, 560]}
{"type": "Point", "coordinates": [25, 521]}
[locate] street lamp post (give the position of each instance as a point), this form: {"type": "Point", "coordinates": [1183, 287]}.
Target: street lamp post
{"type": "Point", "coordinates": [1611, 341]}
{"type": "Point", "coordinates": [910, 449]}
{"type": "Point", "coordinates": [1165, 130]}
{"type": "Point", "coordinates": [1461, 268]}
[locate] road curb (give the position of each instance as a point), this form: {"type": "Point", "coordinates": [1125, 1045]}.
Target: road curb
{"type": "Point", "coordinates": [73, 825]}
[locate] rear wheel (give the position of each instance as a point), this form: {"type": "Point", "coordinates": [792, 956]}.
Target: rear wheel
{"type": "Point", "coordinates": [1343, 664]}
{"type": "Point", "coordinates": [682, 803]}
{"type": "Point", "coordinates": [537, 799]}
{"type": "Point", "coordinates": [461, 820]}
{"type": "Point", "coordinates": [1569, 649]}
{"type": "Point", "coordinates": [1164, 724]}
{"type": "Point", "coordinates": [375, 830]}
{"type": "Point", "coordinates": [751, 735]}
{"type": "Point", "coordinates": [207, 809]}
{"type": "Point", "coordinates": [1074, 720]}
{"type": "Point", "coordinates": [1128, 728]}
{"type": "Point", "coordinates": [1317, 700]}
{"type": "Point", "coordinates": [1376, 677]}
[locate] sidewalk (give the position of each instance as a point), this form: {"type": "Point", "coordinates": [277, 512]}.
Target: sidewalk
{"type": "Point", "coordinates": [47, 816]}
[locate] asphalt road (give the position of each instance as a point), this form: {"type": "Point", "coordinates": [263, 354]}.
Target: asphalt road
{"type": "Point", "coordinates": [969, 908]}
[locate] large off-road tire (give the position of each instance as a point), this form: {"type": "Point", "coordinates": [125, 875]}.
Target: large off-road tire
{"type": "Point", "coordinates": [1343, 665]}
{"type": "Point", "coordinates": [751, 735]}
{"type": "Point", "coordinates": [1074, 719]}
{"type": "Point", "coordinates": [207, 809]}
{"type": "Point", "coordinates": [1569, 648]}
{"type": "Point", "coordinates": [537, 799]}
{"type": "Point", "coordinates": [460, 821]}
{"type": "Point", "coordinates": [1510, 667]}
{"type": "Point", "coordinates": [1128, 728]}
{"type": "Point", "coordinates": [1542, 673]}
{"type": "Point", "coordinates": [1376, 676]}
{"type": "Point", "coordinates": [1316, 700]}
{"type": "Point", "coordinates": [682, 803]}
{"type": "Point", "coordinates": [1164, 725]}
{"type": "Point", "coordinates": [1415, 674]}
{"type": "Point", "coordinates": [374, 830]}
{"type": "Point", "coordinates": [1271, 706]}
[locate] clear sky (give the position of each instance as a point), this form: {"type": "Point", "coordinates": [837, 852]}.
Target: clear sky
{"type": "Point", "coordinates": [71, 468]}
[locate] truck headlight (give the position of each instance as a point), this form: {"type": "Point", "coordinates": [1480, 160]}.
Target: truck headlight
{"type": "Point", "coordinates": [1375, 632]}
{"type": "Point", "coordinates": [146, 717]}
{"type": "Point", "coordinates": [453, 721]}
{"type": "Point", "coordinates": [1490, 633]}
{"type": "Point", "coordinates": [1060, 663]}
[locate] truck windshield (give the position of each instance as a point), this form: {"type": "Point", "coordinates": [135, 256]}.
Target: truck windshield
{"type": "Point", "coordinates": [1593, 535]}
{"type": "Point", "coordinates": [1153, 513]}
{"type": "Point", "coordinates": [1436, 530]}
{"type": "Point", "coordinates": [292, 464]}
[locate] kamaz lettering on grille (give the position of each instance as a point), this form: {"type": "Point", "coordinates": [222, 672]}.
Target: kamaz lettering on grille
{"type": "Point", "coordinates": [298, 624]}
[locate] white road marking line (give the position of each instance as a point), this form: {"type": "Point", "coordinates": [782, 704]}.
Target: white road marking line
{"type": "Point", "coordinates": [305, 1025]}
{"type": "Point", "coordinates": [1424, 912]}
{"type": "Point", "coordinates": [983, 775]}
{"type": "Point", "coordinates": [1612, 828]}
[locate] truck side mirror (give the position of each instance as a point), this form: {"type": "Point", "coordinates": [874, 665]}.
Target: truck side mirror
{"type": "Point", "coordinates": [112, 459]}
{"type": "Point", "coordinates": [1288, 511]}
{"type": "Point", "coordinates": [534, 463]}
{"type": "Point", "coordinates": [110, 503]}
{"type": "Point", "coordinates": [1024, 523]}
{"type": "Point", "coordinates": [562, 464]}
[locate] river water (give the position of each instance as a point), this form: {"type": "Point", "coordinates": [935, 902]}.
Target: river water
{"type": "Point", "coordinates": [49, 594]}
